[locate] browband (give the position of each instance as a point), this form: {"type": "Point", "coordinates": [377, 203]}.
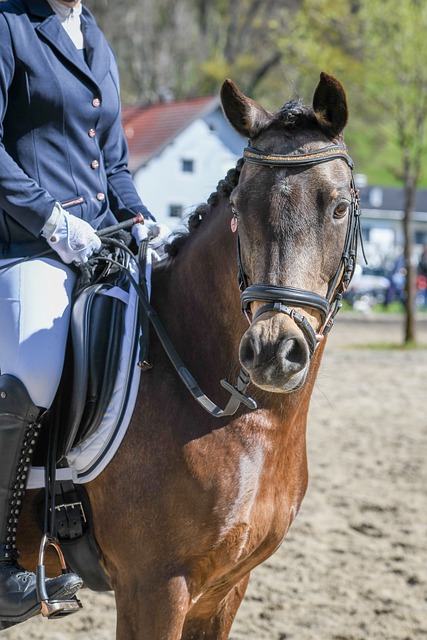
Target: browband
{"type": "Point", "coordinates": [251, 154]}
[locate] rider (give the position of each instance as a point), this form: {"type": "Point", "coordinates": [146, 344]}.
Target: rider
{"type": "Point", "coordinates": [63, 174]}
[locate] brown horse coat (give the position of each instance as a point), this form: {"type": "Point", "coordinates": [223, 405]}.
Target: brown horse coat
{"type": "Point", "coordinates": [191, 504]}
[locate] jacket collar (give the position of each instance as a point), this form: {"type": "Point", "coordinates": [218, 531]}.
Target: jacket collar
{"type": "Point", "coordinates": [39, 8]}
{"type": "Point", "coordinates": [97, 49]}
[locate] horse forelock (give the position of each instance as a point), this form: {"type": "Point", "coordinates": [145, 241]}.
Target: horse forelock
{"type": "Point", "coordinates": [223, 190]}
{"type": "Point", "coordinates": [296, 113]}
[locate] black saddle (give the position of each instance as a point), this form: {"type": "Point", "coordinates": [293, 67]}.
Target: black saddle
{"type": "Point", "coordinates": [93, 356]}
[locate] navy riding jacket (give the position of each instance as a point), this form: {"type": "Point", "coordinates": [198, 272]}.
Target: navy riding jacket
{"type": "Point", "coordinates": [61, 137]}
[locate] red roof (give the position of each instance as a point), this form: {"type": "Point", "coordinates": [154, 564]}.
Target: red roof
{"type": "Point", "coordinates": [151, 128]}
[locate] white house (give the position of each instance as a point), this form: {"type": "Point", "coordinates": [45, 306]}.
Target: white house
{"type": "Point", "coordinates": [382, 222]}
{"type": "Point", "coordinates": [178, 152]}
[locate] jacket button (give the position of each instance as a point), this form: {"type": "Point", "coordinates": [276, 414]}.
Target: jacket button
{"type": "Point", "coordinates": [100, 196]}
{"type": "Point", "coordinates": [91, 133]}
{"type": "Point", "coordinates": [96, 102]}
{"type": "Point", "coordinates": [94, 164]}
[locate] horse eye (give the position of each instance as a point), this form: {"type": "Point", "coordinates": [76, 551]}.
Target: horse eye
{"type": "Point", "coordinates": [341, 210]}
{"type": "Point", "coordinates": [234, 211]}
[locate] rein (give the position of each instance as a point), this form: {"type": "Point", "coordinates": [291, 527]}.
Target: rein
{"type": "Point", "coordinates": [287, 299]}
{"type": "Point", "coordinates": [149, 315]}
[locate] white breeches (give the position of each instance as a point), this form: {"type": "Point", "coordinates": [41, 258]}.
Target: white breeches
{"type": "Point", "coordinates": [34, 318]}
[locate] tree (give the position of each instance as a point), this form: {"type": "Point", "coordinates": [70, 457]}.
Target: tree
{"type": "Point", "coordinates": [187, 48]}
{"type": "Point", "coordinates": [395, 82]}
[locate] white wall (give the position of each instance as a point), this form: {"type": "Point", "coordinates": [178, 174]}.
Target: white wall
{"type": "Point", "coordinates": [162, 182]}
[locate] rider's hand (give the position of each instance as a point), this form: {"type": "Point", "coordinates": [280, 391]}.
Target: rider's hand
{"type": "Point", "coordinates": [160, 234]}
{"type": "Point", "coordinates": [73, 239]}
{"type": "Point", "coordinates": [157, 233]}
{"type": "Point", "coordinates": [139, 232]}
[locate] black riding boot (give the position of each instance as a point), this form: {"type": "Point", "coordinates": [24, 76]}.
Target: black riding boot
{"type": "Point", "coordinates": [18, 434]}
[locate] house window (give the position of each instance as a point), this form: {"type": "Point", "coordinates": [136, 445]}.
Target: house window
{"type": "Point", "coordinates": [175, 210]}
{"type": "Point", "coordinates": [365, 234]}
{"type": "Point", "coordinates": [420, 237]}
{"type": "Point", "coordinates": [187, 166]}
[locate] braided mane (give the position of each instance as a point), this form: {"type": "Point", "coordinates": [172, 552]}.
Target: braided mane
{"type": "Point", "coordinates": [223, 190]}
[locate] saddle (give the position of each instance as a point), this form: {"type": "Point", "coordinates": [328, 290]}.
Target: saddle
{"type": "Point", "coordinates": [96, 331]}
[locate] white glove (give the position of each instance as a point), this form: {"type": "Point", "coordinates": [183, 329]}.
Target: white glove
{"type": "Point", "coordinates": [160, 231]}
{"type": "Point", "coordinates": [157, 233]}
{"type": "Point", "coordinates": [160, 237]}
{"type": "Point", "coordinates": [73, 239]}
{"type": "Point", "coordinates": [139, 232]}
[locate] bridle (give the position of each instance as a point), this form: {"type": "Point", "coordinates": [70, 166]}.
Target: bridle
{"type": "Point", "coordinates": [286, 299]}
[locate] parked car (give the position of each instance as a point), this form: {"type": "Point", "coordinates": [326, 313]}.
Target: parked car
{"type": "Point", "coordinates": [368, 287]}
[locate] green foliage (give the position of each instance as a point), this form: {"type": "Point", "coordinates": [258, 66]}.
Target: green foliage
{"type": "Point", "coordinates": [275, 51]}
{"type": "Point", "coordinates": [395, 77]}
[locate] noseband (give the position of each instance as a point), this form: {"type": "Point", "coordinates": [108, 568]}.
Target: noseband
{"type": "Point", "coordinates": [286, 299]}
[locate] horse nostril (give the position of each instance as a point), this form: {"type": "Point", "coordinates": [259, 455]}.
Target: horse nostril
{"type": "Point", "coordinates": [248, 351]}
{"type": "Point", "coordinates": [293, 352]}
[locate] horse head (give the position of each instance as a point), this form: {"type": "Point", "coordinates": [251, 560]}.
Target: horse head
{"type": "Point", "coordinates": [296, 211]}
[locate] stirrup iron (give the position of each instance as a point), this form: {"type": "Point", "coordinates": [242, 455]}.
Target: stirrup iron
{"type": "Point", "coordinates": [53, 608]}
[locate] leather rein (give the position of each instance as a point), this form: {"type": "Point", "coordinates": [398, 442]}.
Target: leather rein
{"type": "Point", "coordinates": [287, 299]}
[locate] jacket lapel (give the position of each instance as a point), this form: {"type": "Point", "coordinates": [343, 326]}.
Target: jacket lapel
{"type": "Point", "coordinates": [97, 51]}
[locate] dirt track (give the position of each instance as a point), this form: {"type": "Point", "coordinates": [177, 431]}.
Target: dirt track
{"type": "Point", "coordinates": [354, 564]}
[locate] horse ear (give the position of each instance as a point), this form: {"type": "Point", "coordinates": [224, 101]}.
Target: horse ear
{"type": "Point", "coordinates": [330, 105]}
{"type": "Point", "coordinates": [244, 114]}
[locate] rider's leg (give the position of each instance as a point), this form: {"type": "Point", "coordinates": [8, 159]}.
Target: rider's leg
{"type": "Point", "coordinates": [35, 310]}
{"type": "Point", "coordinates": [18, 432]}
{"type": "Point", "coordinates": [34, 317]}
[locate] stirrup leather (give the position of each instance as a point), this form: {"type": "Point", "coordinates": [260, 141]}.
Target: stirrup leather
{"type": "Point", "coordinates": [53, 608]}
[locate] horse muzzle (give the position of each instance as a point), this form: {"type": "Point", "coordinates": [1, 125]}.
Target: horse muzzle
{"type": "Point", "coordinates": [275, 353]}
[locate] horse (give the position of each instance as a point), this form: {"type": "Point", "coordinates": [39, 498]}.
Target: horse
{"type": "Point", "coordinates": [192, 502]}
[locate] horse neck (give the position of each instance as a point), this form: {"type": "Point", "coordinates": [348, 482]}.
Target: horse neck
{"type": "Point", "coordinates": [197, 295]}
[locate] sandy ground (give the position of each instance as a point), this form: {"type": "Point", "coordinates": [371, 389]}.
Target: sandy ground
{"type": "Point", "coordinates": [354, 564]}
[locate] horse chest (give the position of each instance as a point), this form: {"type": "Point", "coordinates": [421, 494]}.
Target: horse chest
{"type": "Point", "coordinates": [252, 521]}
{"type": "Point", "coordinates": [258, 505]}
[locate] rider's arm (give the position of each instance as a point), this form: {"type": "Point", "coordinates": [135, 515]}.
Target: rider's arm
{"type": "Point", "coordinates": [22, 198]}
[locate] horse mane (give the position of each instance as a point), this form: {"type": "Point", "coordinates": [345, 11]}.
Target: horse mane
{"type": "Point", "coordinates": [223, 190]}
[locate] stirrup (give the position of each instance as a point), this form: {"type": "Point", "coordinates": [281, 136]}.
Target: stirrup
{"type": "Point", "coordinates": [53, 608]}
